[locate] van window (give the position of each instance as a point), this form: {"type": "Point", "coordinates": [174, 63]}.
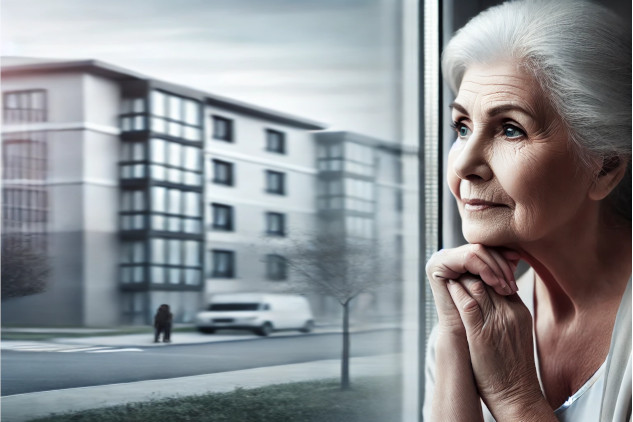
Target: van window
{"type": "Point", "coordinates": [234, 306]}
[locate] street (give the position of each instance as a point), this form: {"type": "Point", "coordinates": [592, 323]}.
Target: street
{"type": "Point", "coordinates": [24, 372]}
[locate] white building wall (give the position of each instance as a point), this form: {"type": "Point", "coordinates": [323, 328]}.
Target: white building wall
{"type": "Point", "coordinates": [82, 147]}
{"type": "Point", "coordinates": [251, 202]}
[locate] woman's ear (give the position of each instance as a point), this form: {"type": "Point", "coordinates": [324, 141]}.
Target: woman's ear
{"type": "Point", "coordinates": [612, 171]}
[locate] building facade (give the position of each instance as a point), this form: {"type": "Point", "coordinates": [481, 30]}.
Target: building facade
{"type": "Point", "coordinates": [146, 192]}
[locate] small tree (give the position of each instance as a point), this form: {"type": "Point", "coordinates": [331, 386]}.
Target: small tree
{"type": "Point", "coordinates": [25, 269]}
{"type": "Point", "coordinates": [337, 266]}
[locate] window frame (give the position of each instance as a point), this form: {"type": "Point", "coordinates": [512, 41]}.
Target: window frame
{"type": "Point", "coordinates": [229, 225]}
{"type": "Point", "coordinates": [281, 220]}
{"type": "Point", "coordinates": [275, 141]}
{"type": "Point", "coordinates": [230, 272]}
{"type": "Point", "coordinates": [230, 180]}
{"type": "Point", "coordinates": [275, 188]}
{"type": "Point", "coordinates": [230, 132]}
{"type": "Point", "coordinates": [276, 267]}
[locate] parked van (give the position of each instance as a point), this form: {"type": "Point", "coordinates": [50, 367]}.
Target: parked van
{"type": "Point", "coordinates": [261, 313]}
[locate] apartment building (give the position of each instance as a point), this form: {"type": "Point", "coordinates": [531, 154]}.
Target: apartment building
{"type": "Point", "coordinates": [150, 192]}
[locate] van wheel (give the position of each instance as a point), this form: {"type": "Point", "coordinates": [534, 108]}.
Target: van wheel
{"type": "Point", "coordinates": [307, 327]}
{"type": "Point", "coordinates": [265, 330]}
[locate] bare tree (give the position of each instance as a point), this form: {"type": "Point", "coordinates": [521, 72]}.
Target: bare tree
{"type": "Point", "coordinates": [25, 267]}
{"type": "Point", "coordinates": [337, 266]}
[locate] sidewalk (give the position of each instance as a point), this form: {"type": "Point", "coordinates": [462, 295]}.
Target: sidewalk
{"type": "Point", "coordinates": [25, 407]}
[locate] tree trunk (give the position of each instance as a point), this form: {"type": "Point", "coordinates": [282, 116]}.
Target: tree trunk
{"type": "Point", "coordinates": [345, 384]}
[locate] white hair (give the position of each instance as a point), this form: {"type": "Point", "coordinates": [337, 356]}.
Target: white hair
{"type": "Point", "coordinates": [580, 54]}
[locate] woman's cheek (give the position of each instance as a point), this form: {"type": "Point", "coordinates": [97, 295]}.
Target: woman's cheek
{"type": "Point", "coordinates": [451, 176]}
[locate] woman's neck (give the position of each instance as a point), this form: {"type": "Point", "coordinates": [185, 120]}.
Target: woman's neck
{"type": "Point", "coordinates": [584, 265]}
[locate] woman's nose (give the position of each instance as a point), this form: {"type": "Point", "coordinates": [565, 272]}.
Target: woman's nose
{"type": "Point", "coordinates": [470, 162]}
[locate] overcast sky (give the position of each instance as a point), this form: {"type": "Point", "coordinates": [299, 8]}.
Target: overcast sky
{"type": "Point", "coordinates": [334, 61]}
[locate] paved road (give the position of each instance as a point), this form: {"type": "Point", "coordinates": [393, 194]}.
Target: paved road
{"type": "Point", "coordinates": [24, 372]}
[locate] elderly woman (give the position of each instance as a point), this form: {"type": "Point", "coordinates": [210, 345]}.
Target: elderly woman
{"type": "Point", "coordinates": [541, 173]}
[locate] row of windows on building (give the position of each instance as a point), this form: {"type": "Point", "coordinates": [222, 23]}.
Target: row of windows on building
{"type": "Point", "coordinates": [223, 265]}
{"type": "Point", "coordinates": [180, 117]}
{"type": "Point", "coordinates": [224, 130]}
{"type": "Point", "coordinates": [223, 219]}
{"type": "Point", "coordinates": [176, 261]}
{"type": "Point", "coordinates": [224, 174]}
{"type": "Point", "coordinates": [24, 106]}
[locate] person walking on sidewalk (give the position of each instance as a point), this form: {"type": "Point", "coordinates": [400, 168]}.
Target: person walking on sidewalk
{"type": "Point", "coordinates": [162, 323]}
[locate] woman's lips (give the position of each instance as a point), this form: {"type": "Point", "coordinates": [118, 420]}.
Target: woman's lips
{"type": "Point", "coordinates": [479, 204]}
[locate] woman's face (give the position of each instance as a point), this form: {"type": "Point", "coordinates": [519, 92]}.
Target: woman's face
{"type": "Point", "coordinates": [511, 169]}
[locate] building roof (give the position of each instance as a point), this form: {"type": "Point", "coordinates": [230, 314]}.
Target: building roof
{"type": "Point", "coordinates": [32, 65]}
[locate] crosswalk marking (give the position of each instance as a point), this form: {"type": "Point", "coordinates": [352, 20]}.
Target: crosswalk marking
{"type": "Point", "coordinates": [62, 348]}
{"type": "Point", "coordinates": [129, 349]}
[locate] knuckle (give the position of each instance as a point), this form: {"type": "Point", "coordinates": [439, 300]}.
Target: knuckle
{"type": "Point", "coordinates": [477, 288]}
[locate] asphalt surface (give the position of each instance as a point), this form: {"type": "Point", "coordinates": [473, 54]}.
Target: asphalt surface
{"type": "Point", "coordinates": [28, 368]}
{"type": "Point", "coordinates": [187, 346]}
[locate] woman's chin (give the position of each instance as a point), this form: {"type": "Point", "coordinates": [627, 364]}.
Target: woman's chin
{"type": "Point", "coordinates": [485, 236]}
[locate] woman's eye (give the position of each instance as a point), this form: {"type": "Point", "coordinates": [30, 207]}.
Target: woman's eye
{"type": "Point", "coordinates": [461, 129]}
{"type": "Point", "coordinates": [512, 132]}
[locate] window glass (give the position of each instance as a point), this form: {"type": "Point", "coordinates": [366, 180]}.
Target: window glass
{"type": "Point", "coordinates": [275, 182]}
{"type": "Point", "coordinates": [175, 107]}
{"type": "Point", "coordinates": [222, 264]}
{"type": "Point", "coordinates": [159, 103]}
{"type": "Point", "coordinates": [192, 115]}
{"type": "Point", "coordinates": [192, 277]}
{"type": "Point", "coordinates": [276, 267]}
{"type": "Point", "coordinates": [158, 222]}
{"type": "Point", "coordinates": [158, 172]}
{"type": "Point", "coordinates": [159, 194]}
{"type": "Point", "coordinates": [173, 252]}
{"type": "Point", "coordinates": [138, 274]}
{"type": "Point", "coordinates": [174, 275]}
{"type": "Point", "coordinates": [192, 158]}
{"type": "Point", "coordinates": [275, 141]}
{"type": "Point", "coordinates": [138, 200]}
{"type": "Point", "coordinates": [275, 223]}
{"type": "Point", "coordinates": [158, 150]}
{"type": "Point", "coordinates": [173, 224]}
{"type": "Point", "coordinates": [159, 125]}
{"type": "Point", "coordinates": [192, 253]}
{"type": "Point", "coordinates": [174, 201]}
{"type": "Point", "coordinates": [158, 251]}
{"type": "Point", "coordinates": [222, 172]}
{"type": "Point", "coordinates": [192, 204]}
{"type": "Point", "coordinates": [222, 217]}
{"type": "Point", "coordinates": [175, 154]}
{"type": "Point", "coordinates": [174, 175]}
{"type": "Point", "coordinates": [158, 274]}
{"type": "Point", "coordinates": [222, 129]}
{"type": "Point", "coordinates": [191, 226]}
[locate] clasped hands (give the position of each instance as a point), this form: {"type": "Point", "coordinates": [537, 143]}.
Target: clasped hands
{"type": "Point", "coordinates": [475, 295]}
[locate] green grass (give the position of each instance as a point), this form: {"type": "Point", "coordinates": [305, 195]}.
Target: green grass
{"type": "Point", "coordinates": [371, 399]}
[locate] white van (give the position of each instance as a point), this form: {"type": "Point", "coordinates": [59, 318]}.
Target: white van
{"type": "Point", "coordinates": [261, 313]}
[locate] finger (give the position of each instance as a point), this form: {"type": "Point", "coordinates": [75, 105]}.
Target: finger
{"type": "Point", "coordinates": [468, 308]}
{"type": "Point", "coordinates": [480, 260]}
{"type": "Point", "coordinates": [474, 259]}
{"type": "Point", "coordinates": [447, 314]}
{"type": "Point", "coordinates": [507, 267]}
{"type": "Point", "coordinates": [481, 293]}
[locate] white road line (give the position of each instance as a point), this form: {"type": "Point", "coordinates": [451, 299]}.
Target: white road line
{"type": "Point", "coordinates": [82, 349]}
{"type": "Point", "coordinates": [131, 349]}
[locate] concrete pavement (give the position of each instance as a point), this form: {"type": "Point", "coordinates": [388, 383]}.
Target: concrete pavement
{"type": "Point", "coordinates": [24, 407]}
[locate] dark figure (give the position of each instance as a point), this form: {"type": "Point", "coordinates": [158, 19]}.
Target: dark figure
{"type": "Point", "coordinates": [162, 323]}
